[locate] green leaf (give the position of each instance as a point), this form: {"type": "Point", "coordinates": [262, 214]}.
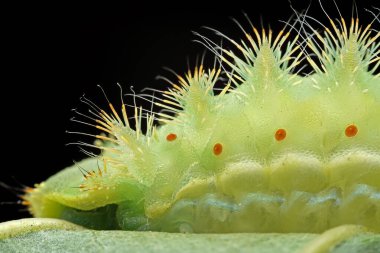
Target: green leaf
{"type": "Point", "coordinates": [53, 235]}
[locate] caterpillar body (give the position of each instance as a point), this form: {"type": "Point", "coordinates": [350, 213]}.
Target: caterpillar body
{"type": "Point", "coordinates": [273, 151]}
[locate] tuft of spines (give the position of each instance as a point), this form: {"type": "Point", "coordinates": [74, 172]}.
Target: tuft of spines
{"type": "Point", "coordinates": [344, 53]}
{"type": "Point", "coordinates": [192, 99]}
{"type": "Point", "coordinates": [92, 178]}
{"type": "Point", "coordinates": [266, 61]}
{"type": "Point", "coordinates": [121, 145]}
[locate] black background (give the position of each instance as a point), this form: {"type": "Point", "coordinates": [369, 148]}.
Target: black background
{"type": "Point", "coordinates": [53, 54]}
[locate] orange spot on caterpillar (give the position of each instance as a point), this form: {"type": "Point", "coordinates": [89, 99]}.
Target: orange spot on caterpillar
{"type": "Point", "coordinates": [280, 134]}
{"type": "Point", "coordinates": [218, 148]}
{"type": "Point", "coordinates": [351, 131]}
{"type": "Point", "coordinates": [171, 137]}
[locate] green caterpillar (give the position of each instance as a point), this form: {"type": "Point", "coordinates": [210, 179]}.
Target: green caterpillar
{"type": "Point", "coordinates": [273, 151]}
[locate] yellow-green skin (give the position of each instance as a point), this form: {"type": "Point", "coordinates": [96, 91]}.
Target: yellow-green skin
{"type": "Point", "coordinates": [314, 179]}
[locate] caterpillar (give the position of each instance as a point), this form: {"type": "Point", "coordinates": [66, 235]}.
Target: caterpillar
{"type": "Point", "coordinates": [272, 151]}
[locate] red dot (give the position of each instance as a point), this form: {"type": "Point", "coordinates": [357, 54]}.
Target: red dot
{"type": "Point", "coordinates": [218, 148]}
{"type": "Point", "coordinates": [351, 131]}
{"type": "Point", "coordinates": [280, 134]}
{"type": "Point", "coordinates": [171, 137]}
